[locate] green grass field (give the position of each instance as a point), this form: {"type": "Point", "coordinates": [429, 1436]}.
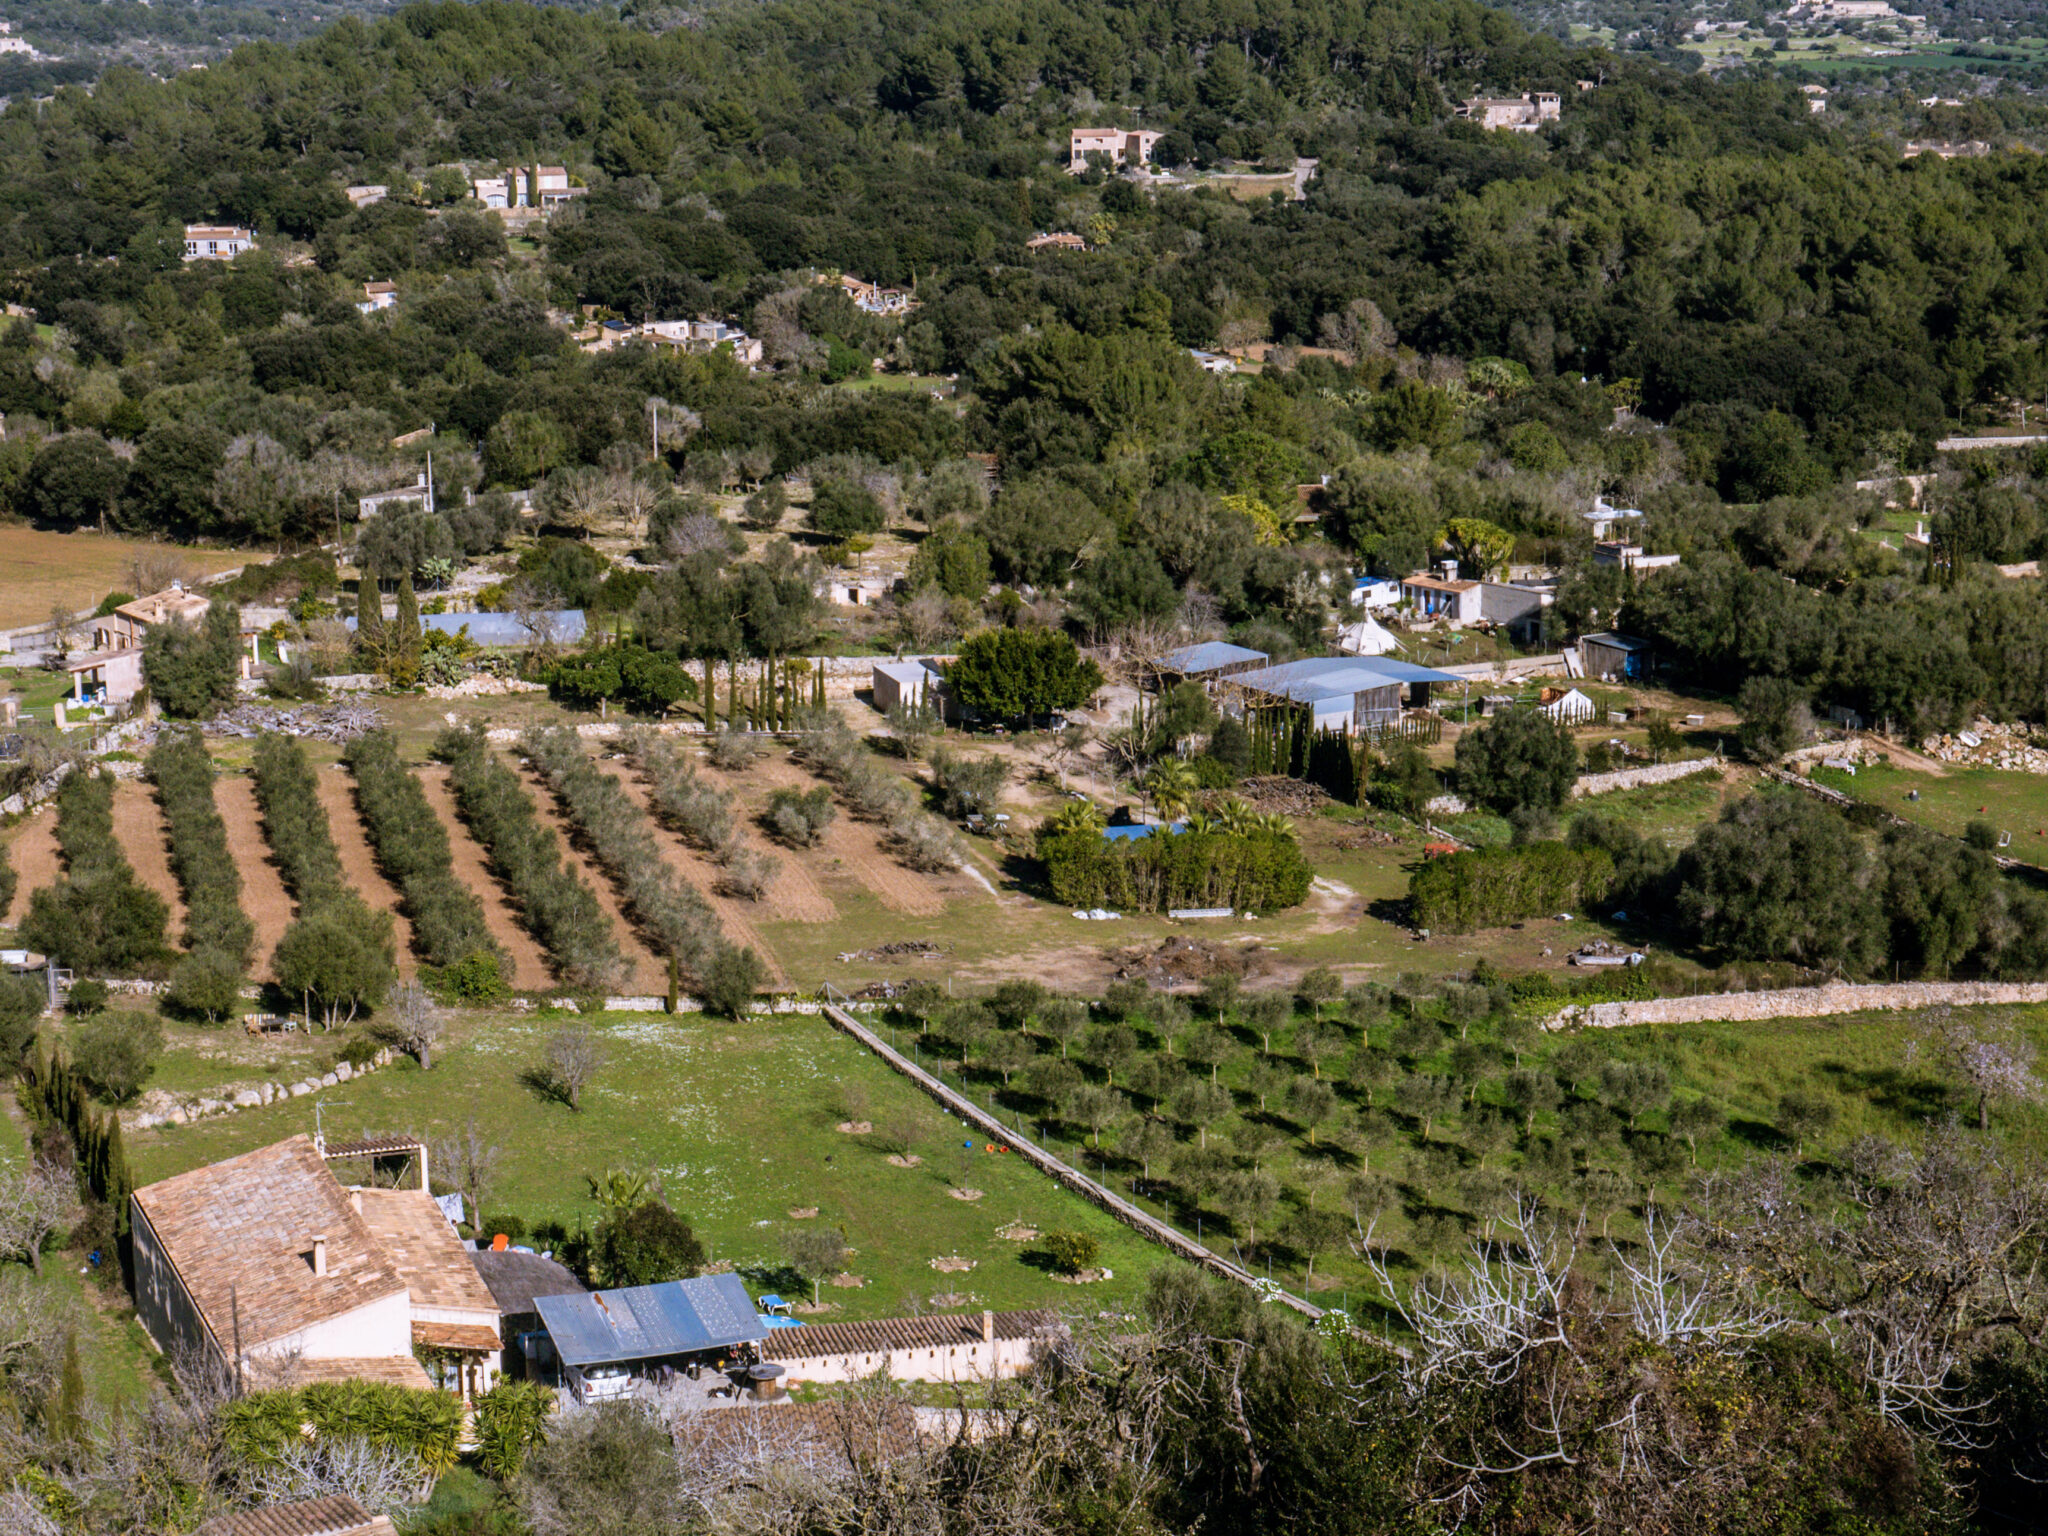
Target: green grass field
{"type": "Point", "coordinates": [2012, 802]}
{"type": "Point", "coordinates": [739, 1123]}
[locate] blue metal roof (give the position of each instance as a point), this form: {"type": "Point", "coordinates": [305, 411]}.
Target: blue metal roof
{"type": "Point", "coordinates": [1207, 657]}
{"type": "Point", "coordinates": [1324, 677]}
{"type": "Point", "coordinates": [645, 1322]}
{"type": "Point", "coordinates": [564, 626]}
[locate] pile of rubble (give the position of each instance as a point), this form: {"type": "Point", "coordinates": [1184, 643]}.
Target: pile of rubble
{"type": "Point", "coordinates": [1985, 745]}
{"type": "Point", "coordinates": [340, 722]}
{"type": "Point", "coordinates": [905, 949]}
{"type": "Point", "coordinates": [1179, 962]}
{"type": "Point", "coordinates": [1276, 792]}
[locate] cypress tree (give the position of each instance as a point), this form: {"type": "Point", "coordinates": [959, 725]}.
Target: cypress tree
{"type": "Point", "coordinates": [710, 694]}
{"type": "Point", "coordinates": [406, 638]}
{"type": "Point", "coordinates": [67, 1409]}
{"type": "Point", "coordinates": [369, 614]}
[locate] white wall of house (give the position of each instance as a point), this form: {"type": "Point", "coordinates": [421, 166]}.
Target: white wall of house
{"type": "Point", "coordinates": [977, 1360]}
{"type": "Point", "coordinates": [381, 1329]}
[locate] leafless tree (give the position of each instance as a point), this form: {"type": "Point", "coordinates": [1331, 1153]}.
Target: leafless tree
{"type": "Point", "coordinates": [416, 1019]}
{"type": "Point", "coordinates": [470, 1161]}
{"type": "Point", "coordinates": [153, 570]}
{"type": "Point", "coordinates": [35, 1200]}
{"type": "Point", "coordinates": [1987, 1055]}
{"type": "Point", "coordinates": [693, 535]}
{"type": "Point", "coordinates": [927, 619]}
{"type": "Point", "coordinates": [32, 1333]}
{"type": "Point", "coordinates": [384, 1479]}
{"type": "Point", "coordinates": [574, 1057]}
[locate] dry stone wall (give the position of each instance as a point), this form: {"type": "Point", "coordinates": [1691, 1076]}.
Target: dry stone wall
{"type": "Point", "coordinates": [1800, 1003]}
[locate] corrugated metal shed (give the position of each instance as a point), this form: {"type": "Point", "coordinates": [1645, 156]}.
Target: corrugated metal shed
{"type": "Point", "coordinates": [1193, 660]}
{"type": "Point", "coordinates": [1324, 677]}
{"type": "Point", "coordinates": [646, 1322]}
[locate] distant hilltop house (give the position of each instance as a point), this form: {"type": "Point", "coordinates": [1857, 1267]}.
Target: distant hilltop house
{"type": "Point", "coordinates": [699, 336]}
{"type": "Point", "coordinates": [545, 187]}
{"type": "Point", "coordinates": [1604, 516]}
{"type": "Point", "coordinates": [365, 195]}
{"type": "Point", "coordinates": [217, 242]}
{"type": "Point", "coordinates": [1058, 240]}
{"type": "Point", "coordinates": [377, 296]}
{"type": "Point", "coordinates": [1121, 146]}
{"type": "Point", "coordinates": [1969, 149]}
{"type": "Point", "coordinates": [1848, 10]}
{"type": "Point", "coordinates": [1212, 362]}
{"type": "Point", "coordinates": [419, 493]}
{"type": "Point", "coordinates": [1517, 114]}
{"type": "Point", "coordinates": [873, 298]}
{"type": "Point", "coordinates": [1816, 97]}
{"type": "Point", "coordinates": [1630, 557]}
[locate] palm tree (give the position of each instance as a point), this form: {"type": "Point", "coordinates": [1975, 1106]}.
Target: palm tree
{"type": "Point", "coordinates": [1078, 816]}
{"type": "Point", "coordinates": [1236, 817]}
{"type": "Point", "coordinates": [1171, 787]}
{"type": "Point", "coordinates": [621, 1189]}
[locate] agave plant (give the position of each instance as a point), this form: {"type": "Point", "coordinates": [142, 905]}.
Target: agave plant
{"type": "Point", "coordinates": [1078, 816]}
{"type": "Point", "coordinates": [1200, 821]}
{"type": "Point", "coordinates": [1274, 824]}
{"type": "Point", "coordinates": [1236, 817]}
{"type": "Point", "coordinates": [621, 1189]}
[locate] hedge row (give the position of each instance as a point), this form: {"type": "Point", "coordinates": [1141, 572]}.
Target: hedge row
{"type": "Point", "coordinates": [557, 908]}
{"type": "Point", "coordinates": [96, 919]}
{"type": "Point", "coordinates": [678, 923]}
{"type": "Point", "coordinates": [1252, 871]}
{"type": "Point", "coordinates": [214, 920]}
{"type": "Point", "coordinates": [412, 849]}
{"type": "Point", "coordinates": [294, 822]}
{"type": "Point", "coordinates": [1484, 889]}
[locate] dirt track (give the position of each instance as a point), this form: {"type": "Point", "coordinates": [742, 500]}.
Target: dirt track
{"type": "Point", "coordinates": [646, 973]}
{"type": "Point", "coordinates": [697, 871]}
{"type": "Point", "coordinates": [855, 844]}
{"type": "Point", "coordinates": [529, 971]}
{"type": "Point", "coordinates": [139, 829]}
{"type": "Point", "coordinates": [358, 863]}
{"type": "Point", "coordinates": [264, 897]}
{"type": "Point", "coordinates": [33, 852]}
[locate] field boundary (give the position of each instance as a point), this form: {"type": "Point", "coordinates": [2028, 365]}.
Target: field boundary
{"type": "Point", "coordinates": [1144, 1224]}
{"type": "Point", "coordinates": [1799, 1003]}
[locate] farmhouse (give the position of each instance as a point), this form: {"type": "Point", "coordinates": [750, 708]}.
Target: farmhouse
{"type": "Point", "coordinates": [516, 1280]}
{"type": "Point", "coordinates": [1207, 663]}
{"type": "Point", "coordinates": [114, 664]}
{"type": "Point", "coordinates": [987, 1347]}
{"type": "Point", "coordinates": [1458, 603]}
{"type": "Point", "coordinates": [377, 296]}
{"type": "Point", "coordinates": [366, 195]}
{"type": "Point", "coordinates": [908, 684]}
{"type": "Point", "coordinates": [419, 493]}
{"type": "Point", "coordinates": [703, 335]}
{"type": "Point", "coordinates": [269, 1266]}
{"type": "Point", "coordinates": [545, 187]}
{"type": "Point", "coordinates": [1516, 114]}
{"type": "Point", "coordinates": [1121, 147]}
{"type": "Point", "coordinates": [1058, 240]}
{"type": "Point", "coordinates": [1357, 693]}
{"type": "Point", "coordinates": [1607, 657]}
{"type": "Point", "coordinates": [217, 242]}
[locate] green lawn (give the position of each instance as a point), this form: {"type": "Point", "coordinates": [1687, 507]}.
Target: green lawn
{"type": "Point", "coordinates": [2012, 802]}
{"type": "Point", "coordinates": [739, 1122]}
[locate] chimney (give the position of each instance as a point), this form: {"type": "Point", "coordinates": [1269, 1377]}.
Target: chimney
{"type": "Point", "coordinates": [320, 1254]}
{"type": "Point", "coordinates": [1449, 569]}
{"type": "Point", "coordinates": [355, 1201]}
{"type": "Point", "coordinates": [988, 1326]}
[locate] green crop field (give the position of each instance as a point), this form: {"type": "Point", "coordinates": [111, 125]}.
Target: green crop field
{"type": "Point", "coordinates": [1949, 802]}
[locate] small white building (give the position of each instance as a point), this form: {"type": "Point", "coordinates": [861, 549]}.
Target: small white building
{"type": "Point", "coordinates": [1516, 114]}
{"type": "Point", "coordinates": [984, 1347]}
{"type": "Point", "coordinates": [1212, 362]}
{"type": "Point", "coordinates": [907, 684]}
{"type": "Point", "coordinates": [217, 242]}
{"type": "Point", "coordinates": [377, 296]}
{"type": "Point", "coordinates": [366, 195]}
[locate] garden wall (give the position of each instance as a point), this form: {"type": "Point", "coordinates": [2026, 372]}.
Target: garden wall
{"type": "Point", "coordinates": [1799, 1003]}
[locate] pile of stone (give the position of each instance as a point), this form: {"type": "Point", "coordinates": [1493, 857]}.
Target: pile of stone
{"type": "Point", "coordinates": [482, 685]}
{"type": "Point", "coordinates": [183, 1113]}
{"type": "Point", "coordinates": [338, 723]}
{"type": "Point", "coordinates": [1987, 745]}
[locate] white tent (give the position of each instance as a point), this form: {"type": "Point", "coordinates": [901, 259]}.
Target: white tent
{"type": "Point", "coordinates": [1367, 637]}
{"type": "Point", "coordinates": [1572, 707]}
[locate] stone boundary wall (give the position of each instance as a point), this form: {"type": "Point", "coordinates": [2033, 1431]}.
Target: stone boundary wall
{"type": "Point", "coordinates": [263, 1093]}
{"type": "Point", "coordinates": [1799, 1003]}
{"type": "Point", "coordinates": [1139, 1221]}
{"type": "Point", "coordinates": [1599, 783]}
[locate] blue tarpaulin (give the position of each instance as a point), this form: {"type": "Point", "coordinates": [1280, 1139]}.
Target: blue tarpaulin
{"type": "Point", "coordinates": [646, 1322]}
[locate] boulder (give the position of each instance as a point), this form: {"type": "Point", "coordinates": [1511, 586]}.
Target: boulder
{"type": "Point", "coordinates": [248, 1098]}
{"type": "Point", "coordinates": [344, 1071]}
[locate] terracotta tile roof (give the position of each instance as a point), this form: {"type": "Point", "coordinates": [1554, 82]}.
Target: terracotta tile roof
{"type": "Point", "coordinates": [240, 1235]}
{"type": "Point", "coordinates": [425, 1251]}
{"type": "Point", "coordinates": [174, 604]}
{"type": "Point", "coordinates": [456, 1336]}
{"type": "Point", "coordinates": [307, 1517]}
{"type": "Point", "coordinates": [881, 1335]}
{"type": "Point", "coordinates": [394, 1370]}
{"type": "Point", "coordinates": [516, 1279]}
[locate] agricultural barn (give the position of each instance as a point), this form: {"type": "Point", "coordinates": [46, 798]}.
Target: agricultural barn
{"type": "Point", "coordinates": [957, 1348]}
{"type": "Point", "coordinates": [1354, 693]}
{"type": "Point", "coordinates": [267, 1264]}
{"type": "Point", "coordinates": [1209, 662]}
{"type": "Point", "coordinates": [1608, 657]}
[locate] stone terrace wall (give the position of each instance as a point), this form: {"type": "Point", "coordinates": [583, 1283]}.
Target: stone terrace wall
{"type": "Point", "coordinates": [1799, 1003]}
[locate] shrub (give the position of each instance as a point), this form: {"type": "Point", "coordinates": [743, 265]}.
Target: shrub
{"type": "Point", "coordinates": [206, 984]}
{"type": "Point", "coordinates": [747, 874]}
{"type": "Point", "coordinates": [511, 1420]}
{"type": "Point", "coordinates": [1006, 674]}
{"type": "Point", "coordinates": [839, 508]}
{"type": "Point", "coordinates": [262, 1426]}
{"type": "Point", "coordinates": [294, 822]}
{"type": "Point", "coordinates": [476, 978]}
{"type": "Point", "coordinates": [645, 1246]}
{"type": "Point", "coordinates": [800, 817]}
{"type": "Point", "coordinates": [969, 784]}
{"type": "Point", "coordinates": [1520, 760]}
{"type": "Point", "coordinates": [87, 997]}
{"type": "Point", "coordinates": [698, 810]}
{"type": "Point", "coordinates": [730, 979]}
{"type": "Point", "coordinates": [190, 669]}
{"type": "Point", "coordinates": [734, 751]}
{"type": "Point", "coordinates": [116, 1052]}
{"type": "Point", "coordinates": [1072, 1252]}
{"type": "Point", "coordinates": [1492, 886]}
{"type": "Point", "coordinates": [925, 843]}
